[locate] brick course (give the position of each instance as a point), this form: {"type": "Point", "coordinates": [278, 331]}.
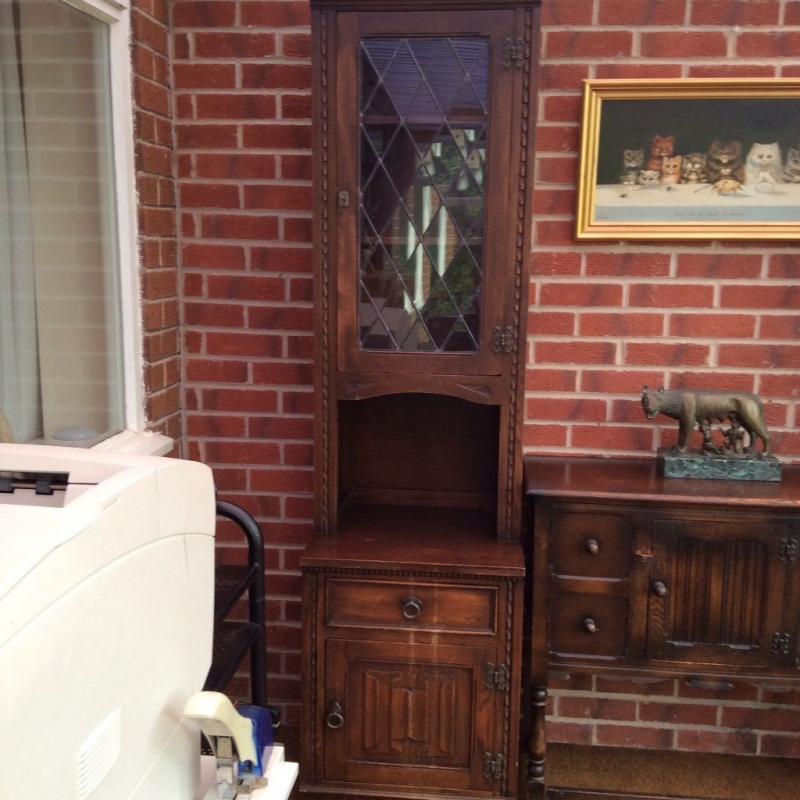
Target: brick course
{"type": "Point", "coordinates": [605, 318]}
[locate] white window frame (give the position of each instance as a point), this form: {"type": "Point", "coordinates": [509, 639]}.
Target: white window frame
{"type": "Point", "coordinates": [134, 439]}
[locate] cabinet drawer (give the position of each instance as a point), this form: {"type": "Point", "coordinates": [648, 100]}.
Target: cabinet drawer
{"type": "Point", "coordinates": [591, 545]}
{"type": "Point", "coordinates": [589, 625]}
{"type": "Point", "coordinates": [414, 605]}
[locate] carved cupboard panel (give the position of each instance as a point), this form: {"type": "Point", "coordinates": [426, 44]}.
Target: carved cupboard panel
{"type": "Point", "coordinates": [409, 709]}
{"type": "Point", "coordinates": [719, 592]}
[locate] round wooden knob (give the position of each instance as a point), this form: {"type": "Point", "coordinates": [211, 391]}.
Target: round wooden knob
{"type": "Point", "coordinates": [335, 718]}
{"type": "Point", "coordinates": [412, 608]}
{"type": "Point", "coordinates": [592, 547]}
{"type": "Point", "coordinates": [660, 589]}
{"type": "Point", "coordinates": [589, 625]}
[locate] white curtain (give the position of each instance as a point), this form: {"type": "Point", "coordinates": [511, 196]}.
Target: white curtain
{"type": "Point", "coordinates": [20, 395]}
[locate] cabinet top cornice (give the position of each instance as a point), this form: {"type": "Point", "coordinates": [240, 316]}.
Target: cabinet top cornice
{"type": "Point", "coordinates": [636, 480]}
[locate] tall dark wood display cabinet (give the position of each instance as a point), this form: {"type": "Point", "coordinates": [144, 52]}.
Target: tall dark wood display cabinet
{"type": "Point", "coordinates": [413, 584]}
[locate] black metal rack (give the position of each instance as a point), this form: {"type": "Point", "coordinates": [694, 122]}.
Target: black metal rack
{"type": "Point", "coordinates": [233, 639]}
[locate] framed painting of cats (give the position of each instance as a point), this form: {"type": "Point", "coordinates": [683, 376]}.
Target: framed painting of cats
{"type": "Point", "coordinates": [690, 159]}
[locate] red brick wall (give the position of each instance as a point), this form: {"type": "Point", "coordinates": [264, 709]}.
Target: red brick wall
{"type": "Point", "coordinates": [605, 318]}
{"type": "Point", "coordinates": [155, 186]}
{"type": "Point", "coordinates": [714, 716]}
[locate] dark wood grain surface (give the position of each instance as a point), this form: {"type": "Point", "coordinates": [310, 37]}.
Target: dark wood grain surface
{"type": "Point", "coordinates": [437, 540]}
{"type": "Point", "coordinates": [636, 480]}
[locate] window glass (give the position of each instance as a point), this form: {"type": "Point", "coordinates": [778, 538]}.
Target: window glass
{"type": "Point", "coordinates": [60, 327]}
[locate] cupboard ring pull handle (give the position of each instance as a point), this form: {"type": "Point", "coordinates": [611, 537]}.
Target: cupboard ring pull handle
{"type": "Point", "coordinates": [589, 625]}
{"type": "Point", "coordinates": [592, 547]}
{"type": "Point", "coordinates": [412, 608]}
{"type": "Point", "coordinates": [660, 589]}
{"type": "Point", "coordinates": [335, 718]}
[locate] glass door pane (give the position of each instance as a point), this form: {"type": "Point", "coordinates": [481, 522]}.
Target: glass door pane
{"type": "Point", "coordinates": [423, 163]}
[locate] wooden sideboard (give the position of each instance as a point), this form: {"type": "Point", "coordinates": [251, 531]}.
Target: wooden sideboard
{"type": "Point", "coordinates": [631, 572]}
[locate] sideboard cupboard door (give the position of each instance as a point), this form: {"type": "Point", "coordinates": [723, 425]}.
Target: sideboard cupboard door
{"type": "Point", "coordinates": [424, 106]}
{"type": "Point", "coordinates": [411, 716]}
{"type": "Point", "coordinates": [721, 592]}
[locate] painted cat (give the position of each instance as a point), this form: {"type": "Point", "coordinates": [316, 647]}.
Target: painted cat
{"type": "Point", "coordinates": [764, 166]}
{"type": "Point", "coordinates": [632, 163]}
{"type": "Point", "coordinates": [671, 169]}
{"type": "Point", "coordinates": [791, 172]}
{"type": "Point", "coordinates": [724, 160]}
{"type": "Point", "coordinates": [649, 178]}
{"type": "Point", "coordinates": [693, 168]}
{"type": "Point", "coordinates": [660, 147]}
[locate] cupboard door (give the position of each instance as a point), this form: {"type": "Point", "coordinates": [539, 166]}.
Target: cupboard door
{"type": "Point", "coordinates": [422, 192]}
{"type": "Point", "coordinates": [410, 716]}
{"type": "Point", "coordinates": [719, 591]}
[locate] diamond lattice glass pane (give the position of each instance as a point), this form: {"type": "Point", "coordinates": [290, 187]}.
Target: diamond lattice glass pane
{"type": "Point", "coordinates": [423, 169]}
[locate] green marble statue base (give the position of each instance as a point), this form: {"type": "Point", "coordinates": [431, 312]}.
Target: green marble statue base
{"type": "Point", "coordinates": [744, 467]}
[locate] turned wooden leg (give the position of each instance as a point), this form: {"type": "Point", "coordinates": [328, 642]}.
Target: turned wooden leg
{"type": "Point", "coordinates": [537, 745]}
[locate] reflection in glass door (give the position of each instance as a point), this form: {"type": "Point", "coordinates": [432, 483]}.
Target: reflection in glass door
{"type": "Point", "coordinates": [424, 117]}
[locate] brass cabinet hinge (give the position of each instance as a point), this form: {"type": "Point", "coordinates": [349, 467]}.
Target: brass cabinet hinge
{"type": "Point", "coordinates": [788, 550]}
{"type": "Point", "coordinates": [503, 339]}
{"type": "Point", "coordinates": [498, 677]}
{"type": "Point", "coordinates": [782, 644]}
{"type": "Point", "coordinates": [513, 53]}
{"type": "Point", "coordinates": [494, 765]}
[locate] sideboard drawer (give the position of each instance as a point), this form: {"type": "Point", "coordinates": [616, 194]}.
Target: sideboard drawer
{"type": "Point", "coordinates": [592, 545]}
{"type": "Point", "coordinates": [417, 605]}
{"type": "Point", "coordinates": [589, 625]}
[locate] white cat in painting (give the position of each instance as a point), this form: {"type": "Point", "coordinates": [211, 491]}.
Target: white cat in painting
{"type": "Point", "coordinates": [763, 167]}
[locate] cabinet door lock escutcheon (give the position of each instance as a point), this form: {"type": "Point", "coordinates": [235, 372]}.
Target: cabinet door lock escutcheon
{"type": "Point", "coordinates": [494, 765]}
{"type": "Point", "coordinates": [497, 677]}
{"type": "Point", "coordinates": [503, 339]}
{"type": "Point", "coordinates": [782, 644]}
{"type": "Point", "coordinates": [513, 53]}
{"type": "Point", "coordinates": [788, 550]}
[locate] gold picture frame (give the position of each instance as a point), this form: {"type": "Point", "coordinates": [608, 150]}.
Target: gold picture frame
{"type": "Point", "coordinates": [725, 197]}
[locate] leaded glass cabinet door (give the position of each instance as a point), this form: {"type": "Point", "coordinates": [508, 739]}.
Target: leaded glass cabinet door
{"type": "Point", "coordinates": [423, 136]}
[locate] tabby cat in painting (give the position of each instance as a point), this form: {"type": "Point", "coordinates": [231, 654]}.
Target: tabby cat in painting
{"type": "Point", "coordinates": [693, 168]}
{"type": "Point", "coordinates": [660, 147]}
{"type": "Point", "coordinates": [632, 163]}
{"type": "Point", "coordinates": [724, 160]}
{"type": "Point", "coordinates": [764, 166]}
{"type": "Point", "coordinates": [671, 169]}
{"type": "Point", "coordinates": [791, 172]}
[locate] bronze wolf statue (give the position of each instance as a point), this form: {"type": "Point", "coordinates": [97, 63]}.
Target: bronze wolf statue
{"type": "Point", "coordinates": [690, 407]}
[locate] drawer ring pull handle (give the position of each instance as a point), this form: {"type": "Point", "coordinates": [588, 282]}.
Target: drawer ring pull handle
{"type": "Point", "coordinates": [412, 608]}
{"type": "Point", "coordinates": [589, 625]}
{"type": "Point", "coordinates": [592, 547]}
{"type": "Point", "coordinates": [335, 718]}
{"type": "Point", "coordinates": [660, 589]}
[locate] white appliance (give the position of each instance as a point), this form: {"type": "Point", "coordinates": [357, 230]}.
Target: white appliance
{"type": "Point", "coordinates": [106, 616]}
